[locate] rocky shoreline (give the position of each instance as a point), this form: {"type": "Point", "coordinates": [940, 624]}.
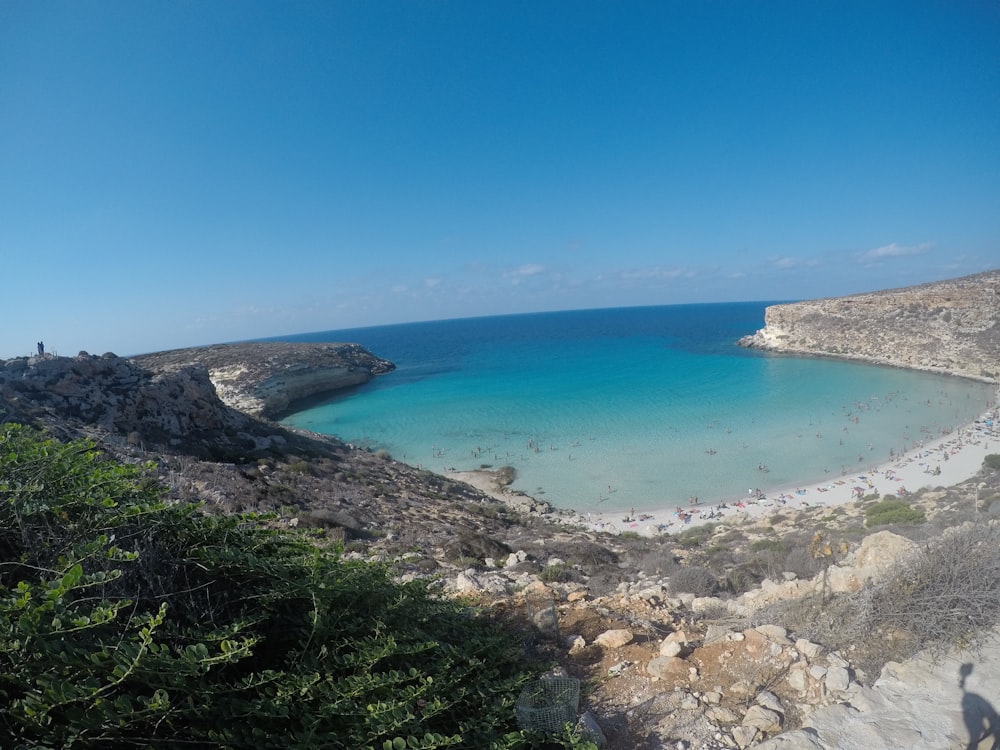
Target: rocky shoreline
{"type": "Point", "coordinates": [949, 327]}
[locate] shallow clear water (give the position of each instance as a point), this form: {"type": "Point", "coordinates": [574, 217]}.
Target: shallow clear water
{"type": "Point", "coordinates": [632, 408]}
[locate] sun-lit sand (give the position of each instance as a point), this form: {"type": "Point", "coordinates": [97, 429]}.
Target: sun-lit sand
{"type": "Point", "coordinates": [941, 462]}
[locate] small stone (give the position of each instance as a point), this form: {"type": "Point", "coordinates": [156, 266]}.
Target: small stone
{"type": "Point", "coordinates": [712, 697]}
{"type": "Point", "coordinates": [587, 725]}
{"type": "Point", "coordinates": [774, 633]}
{"type": "Point", "coordinates": [690, 703]}
{"type": "Point", "coordinates": [576, 643]}
{"type": "Point", "coordinates": [767, 699]}
{"type": "Point", "coordinates": [836, 660]}
{"type": "Point", "coordinates": [838, 679]}
{"type": "Point", "coordinates": [808, 649]}
{"type": "Point", "coordinates": [715, 633]}
{"type": "Point", "coordinates": [797, 678]}
{"type": "Point", "coordinates": [670, 648]}
{"type": "Point", "coordinates": [817, 672]}
{"type": "Point", "coordinates": [614, 638]}
{"type": "Point", "coordinates": [763, 719]}
{"type": "Point", "coordinates": [618, 668]}
{"type": "Point", "coordinates": [665, 667]}
{"type": "Point", "coordinates": [744, 736]}
{"type": "Point", "coordinates": [721, 715]}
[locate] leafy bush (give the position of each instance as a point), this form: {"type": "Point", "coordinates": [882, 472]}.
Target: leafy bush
{"type": "Point", "coordinates": [558, 573]}
{"type": "Point", "coordinates": [992, 461]}
{"type": "Point", "coordinates": [696, 535]}
{"type": "Point", "coordinates": [125, 622]}
{"type": "Point", "coordinates": [892, 510]}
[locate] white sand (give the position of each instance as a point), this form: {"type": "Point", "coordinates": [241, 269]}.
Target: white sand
{"type": "Point", "coordinates": [941, 462]}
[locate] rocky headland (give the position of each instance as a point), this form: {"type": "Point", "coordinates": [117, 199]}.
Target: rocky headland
{"type": "Point", "coordinates": [948, 326]}
{"type": "Point", "coordinates": [723, 636]}
{"type": "Point", "coordinates": [267, 379]}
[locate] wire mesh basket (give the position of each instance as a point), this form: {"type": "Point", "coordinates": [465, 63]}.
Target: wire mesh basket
{"type": "Point", "coordinates": [548, 704]}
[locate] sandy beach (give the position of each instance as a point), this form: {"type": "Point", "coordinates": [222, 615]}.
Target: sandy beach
{"type": "Point", "coordinates": [940, 462]}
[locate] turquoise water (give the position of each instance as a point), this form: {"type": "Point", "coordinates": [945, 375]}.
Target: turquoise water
{"type": "Point", "coordinates": [632, 408]}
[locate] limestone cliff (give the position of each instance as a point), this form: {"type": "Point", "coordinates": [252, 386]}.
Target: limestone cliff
{"type": "Point", "coordinates": [202, 402]}
{"type": "Point", "coordinates": [266, 378]}
{"type": "Point", "coordinates": [115, 396]}
{"type": "Point", "coordinates": [948, 326]}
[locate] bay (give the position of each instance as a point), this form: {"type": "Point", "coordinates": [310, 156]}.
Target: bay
{"type": "Point", "coordinates": [632, 408]}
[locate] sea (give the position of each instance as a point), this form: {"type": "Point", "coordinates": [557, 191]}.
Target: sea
{"type": "Point", "coordinates": [632, 408]}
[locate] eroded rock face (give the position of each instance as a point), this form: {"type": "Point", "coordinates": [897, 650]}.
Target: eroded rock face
{"type": "Point", "coordinates": [947, 326]}
{"type": "Point", "coordinates": [266, 378]}
{"type": "Point", "coordinates": [117, 395]}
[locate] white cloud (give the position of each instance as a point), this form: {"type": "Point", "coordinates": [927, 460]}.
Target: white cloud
{"type": "Point", "coordinates": [656, 272]}
{"type": "Point", "coordinates": [894, 250]}
{"type": "Point", "coordinates": [787, 262]}
{"type": "Point", "coordinates": [431, 281]}
{"type": "Point", "coordinates": [529, 269]}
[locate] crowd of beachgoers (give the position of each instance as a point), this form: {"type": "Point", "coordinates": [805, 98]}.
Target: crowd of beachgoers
{"type": "Point", "coordinates": [941, 462]}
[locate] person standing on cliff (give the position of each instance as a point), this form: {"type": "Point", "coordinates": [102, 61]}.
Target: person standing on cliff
{"type": "Point", "coordinates": [41, 348]}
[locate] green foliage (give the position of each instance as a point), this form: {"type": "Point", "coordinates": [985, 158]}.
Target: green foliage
{"type": "Point", "coordinates": [300, 467]}
{"type": "Point", "coordinates": [126, 622]}
{"type": "Point", "coordinates": [556, 573]}
{"type": "Point", "coordinates": [769, 545]}
{"type": "Point", "coordinates": [892, 510]}
{"type": "Point", "coordinates": [992, 461]}
{"type": "Point", "coordinates": [696, 535]}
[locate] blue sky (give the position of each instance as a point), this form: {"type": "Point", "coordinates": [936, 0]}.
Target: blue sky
{"type": "Point", "coordinates": [184, 173]}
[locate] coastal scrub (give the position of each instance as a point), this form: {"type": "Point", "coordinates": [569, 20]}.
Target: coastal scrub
{"type": "Point", "coordinates": [125, 622]}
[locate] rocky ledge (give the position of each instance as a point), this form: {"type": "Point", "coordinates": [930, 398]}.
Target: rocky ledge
{"type": "Point", "coordinates": [267, 378]}
{"type": "Point", "coordinates": [948, 326]}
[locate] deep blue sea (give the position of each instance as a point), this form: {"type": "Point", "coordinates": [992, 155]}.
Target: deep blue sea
{"type": "Point", "coordinates": [632, 407]}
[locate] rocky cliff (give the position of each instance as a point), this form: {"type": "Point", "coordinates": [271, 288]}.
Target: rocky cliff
{"type": "Point", "coordinates": [265, 379]}
{"type": "Point", "coordinates": [947, 326]}
{"type": "Point", "coordinates": [113, 395]}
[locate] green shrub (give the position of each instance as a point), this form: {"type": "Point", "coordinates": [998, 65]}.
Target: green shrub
{"type": "Point", "coordinates": [696, 535]}
{"type": "Point", "coordinates": [300, 467]}
{"type": "Point", "coordinates": [992, 461]}
{"type": "Point", "coordinates": [126, 622]}
{"type": "Point", "coordinates": [892, 510]}
{"type": "Point", "coordinates": [558, 573]}
{"type": "Point", "coordinates": [769, 545]}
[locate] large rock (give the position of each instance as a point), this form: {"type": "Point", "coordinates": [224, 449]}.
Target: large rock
{"type": "Point", "coordinates": [931, 701]}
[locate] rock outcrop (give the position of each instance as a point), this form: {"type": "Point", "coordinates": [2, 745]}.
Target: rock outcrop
{"type": "Point", "coordinates": [947, 326]}
{"type": "Point", "coordinates": [116, 396]}
{"type": "Point", "coordinates": [927, 702]}
{"type": "Point", "coordinates": [267, 378]}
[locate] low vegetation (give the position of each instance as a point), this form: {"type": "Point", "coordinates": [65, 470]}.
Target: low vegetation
{"type": "Point", "coordinates": [945, 594]}
{"type": "Point", "coordinates": [892, 511]}
{"type": "Point", "coordinates": [127, 622]}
